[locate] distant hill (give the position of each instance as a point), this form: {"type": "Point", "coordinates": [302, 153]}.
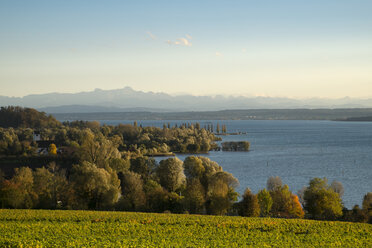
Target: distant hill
{"type": "Point", "coordinates": [129, 100]}
{"type": "Point", "coordinates": [94, 109]}
{"type": "Point", "coordinates": [247, 114]}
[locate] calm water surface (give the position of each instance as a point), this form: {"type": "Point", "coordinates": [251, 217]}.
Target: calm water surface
{"type": "Point", "coordinates": [297, 151]}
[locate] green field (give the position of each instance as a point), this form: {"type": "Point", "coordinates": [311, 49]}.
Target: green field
{"type": "Point", "coordinates": [44, 228]}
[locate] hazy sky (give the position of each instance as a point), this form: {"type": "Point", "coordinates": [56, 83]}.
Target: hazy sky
{"type": "Point", "coordinates": [317, 48]}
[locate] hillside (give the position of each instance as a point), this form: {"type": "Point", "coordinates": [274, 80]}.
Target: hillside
{"type": "Point", "coordinates": [46, 228]}
{"type": "Point", "coordinates": [25, 117]}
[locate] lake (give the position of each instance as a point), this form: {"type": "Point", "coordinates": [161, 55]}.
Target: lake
{"type": "Point", "coordinates": [296, 151]}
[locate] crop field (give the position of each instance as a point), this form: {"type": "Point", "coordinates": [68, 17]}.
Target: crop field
{"type": "Point", "coordinates": [50, 228]}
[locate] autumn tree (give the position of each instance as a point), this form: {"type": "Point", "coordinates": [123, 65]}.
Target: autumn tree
{"type": "Point", "coordinates": [52, 150]}
{"type": "Point", "coordinates": [284, 202]}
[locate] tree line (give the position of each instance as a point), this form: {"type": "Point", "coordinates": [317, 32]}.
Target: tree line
{"type": "Point", "coordinates": [196, 185]}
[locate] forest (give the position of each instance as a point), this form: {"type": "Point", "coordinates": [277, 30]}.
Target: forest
{"type": "Point", "coordinates": [83, 165]}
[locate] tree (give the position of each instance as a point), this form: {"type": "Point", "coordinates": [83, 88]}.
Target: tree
{"type": "Point", "coordinates": [273, 183]}
{"type": "Point", "coordinates": [95, 187]}
{"type": "Point", "coordinates": [2, 176]}
{"type": "Point", "coordinates": [156, 197]}
{"type": "Point", "coordinates": [249, 206]}
{"type": "Point", "coordinates": [143, 166]}
{"type": "Point", "coordinates": [193, 167]}
{"type": "Point", "coordinates": [170, 174]}
{"type": "Point", "coordinates": [97, 149]}
{"type": "Point", "coordinates": [367, 201]}
{"type": "Point", "coordinates": [367, 206]}
{"type": "Point", "coordinates": [221, 193]}
{"type": "Point", "coordinates": [194, 200]}
{"type": "Point", "coordinates": [133, 197]}
{"type": "Point", "coordinates": [43, 187]}
{"type": "Point", "coordinates": [18, 192]}
{"type": "Point", "coordinates": [218, 186]}
{"type": "Point", "coordinates": [300, 194]}
{"type": "Point", "coordinates": [119, 164]}
{"type": "Point", "coordinates": [265, 201]}
{"type": "Point", "coordinates": [338, 188]}
{"type": "Point", "coordinates": [281, 201]}
{"type": "Point", "coordinates": [197, 126]}
{"type": "Point", "coordinates": [224, 130]}
{"type": "Point", "coordinates": [321, 201]}
{"type": "Point", "coordinates": [285, 204]}
{"type": "Point", "coordinates": [295, 209]}
{"type": "Point", "coordinates": [52, 150]}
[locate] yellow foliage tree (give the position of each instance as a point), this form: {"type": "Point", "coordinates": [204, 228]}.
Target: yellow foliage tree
{"type": "Point", "coordinates": [52, 149]}
{"type": "Point", "coordinates": [296, 208]}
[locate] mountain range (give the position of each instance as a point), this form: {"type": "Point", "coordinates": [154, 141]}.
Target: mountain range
{"type": "Point", "coordinates": [129, 100]}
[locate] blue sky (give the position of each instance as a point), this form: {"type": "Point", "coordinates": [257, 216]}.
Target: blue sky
{"type": "Point", "coordinates": [297, 49]}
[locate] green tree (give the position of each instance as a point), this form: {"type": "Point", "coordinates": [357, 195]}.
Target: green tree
{"type": "Point", "coordinates": [249, 206]}
{"type": "Point", "coordinates": [95, 187]}
{"type": "Point", "coordinates": [367, 206]}
{"type": "Point", "coordinates": [221, 193]}
{"type": "Point", "coordinates": [194, 200]}
{"type": "Point", "coordinates": [367, 201]}
{"type": "Point", "coordinates": [18, 192]}
{"type": "Point", "coordinates": [170, 174]}
{"type": "Point", "coordinates": [43, 187]}
{"type": "Point", "coordinates": [285, 204]}
{"type": "Point", "coordinates": [321, 201]}
{"type": "Point", "coordinates": [133, 197]}
{"type": "Point", "coordinates": [157, 198]}
{"type": "Point", "coordinates": [97, 149]}
{"type": "Point", "coordinates": [143, 166]}
{"type": "Point", "coordinates": [265, 201]}
{"type": "Point", "coordinates": [281, 201]}
{"type": "Point", "coordinates": [194, 167]}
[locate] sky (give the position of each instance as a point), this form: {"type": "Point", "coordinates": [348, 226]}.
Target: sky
{"type": "Point", "coordinates": [286, 48]}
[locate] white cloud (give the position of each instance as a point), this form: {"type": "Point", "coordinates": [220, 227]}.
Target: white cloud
{"type": "Point", "coordinates": [218, 54]}
{"type": "Point", "coordinates": [152, 36]}
{"type": "Point", "coordinates": [184, 42]}
{"type": "Point", "coordinates": [244, 50]}
{"type": "Point", "coordinates": [181, 41]}
{"type": "Point", "coordinates": [188, 36]}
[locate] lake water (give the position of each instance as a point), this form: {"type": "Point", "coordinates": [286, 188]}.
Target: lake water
{"type": "Point", "coordinates": [297, 151]}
